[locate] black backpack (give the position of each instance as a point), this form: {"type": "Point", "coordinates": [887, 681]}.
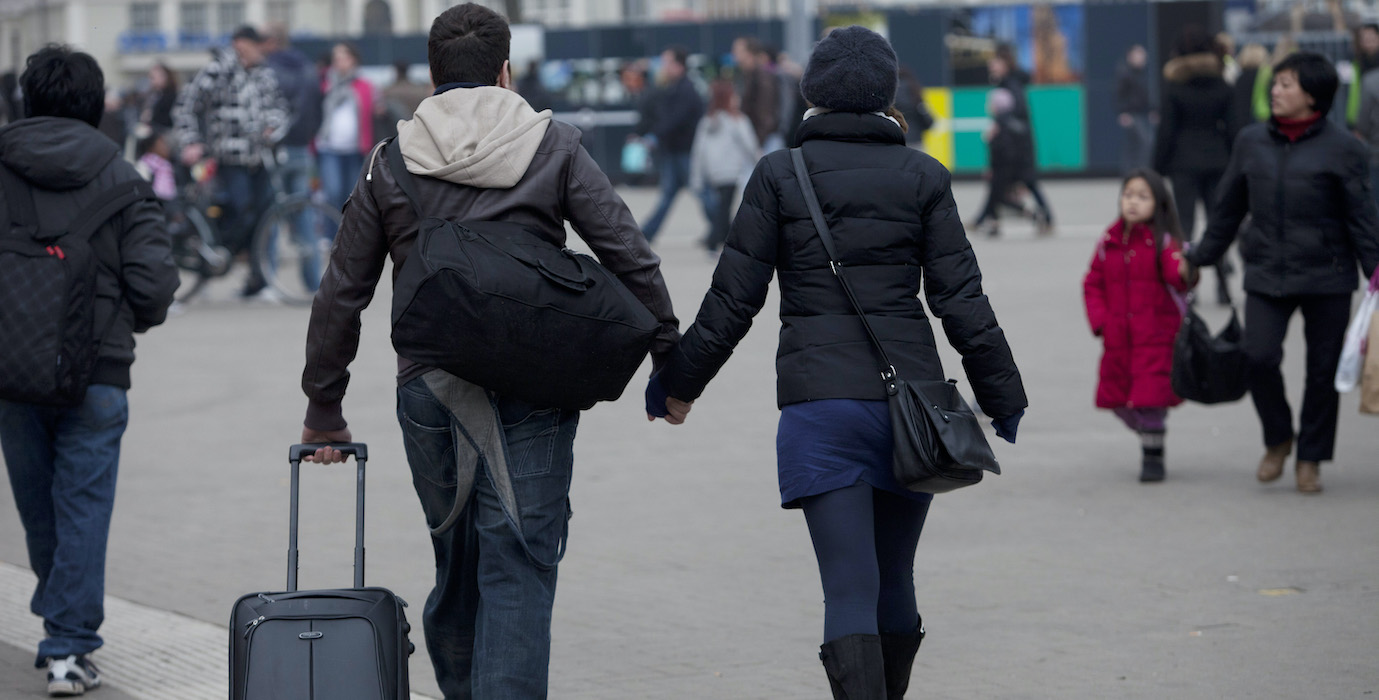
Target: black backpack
{"type": "Point", "coordinates": [504, 308]}
{"type": "Point", "coordinates": [48, 337]}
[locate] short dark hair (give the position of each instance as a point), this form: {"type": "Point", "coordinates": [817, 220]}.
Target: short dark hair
{"type": "Point", "coordinates": [680, 54]}
{"type": "Point", "coordinates": [60, 82]}
{"type": "Point", "coordinates": [1316, 76]}
{"type": "Point", "coordinates": [468, 44]}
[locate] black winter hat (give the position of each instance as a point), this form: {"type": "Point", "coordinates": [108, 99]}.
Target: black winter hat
{"type": "Point", "coordinates": [851, 70]}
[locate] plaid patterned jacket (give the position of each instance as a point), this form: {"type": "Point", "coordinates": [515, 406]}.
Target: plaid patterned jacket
{"type": "Point", "coordinates": [234, 111]}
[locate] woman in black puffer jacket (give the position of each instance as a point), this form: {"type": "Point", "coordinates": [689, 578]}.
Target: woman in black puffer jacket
{"type": "Point", "coordinates": [891, 212]}
{"type": "Point", "coordinates": [1305, 184]}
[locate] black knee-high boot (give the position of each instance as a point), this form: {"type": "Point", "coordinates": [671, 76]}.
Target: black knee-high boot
{"type": "Point", "coordinates": [898, 651]}
{"type": "Point", "coordinates": [855, 666]}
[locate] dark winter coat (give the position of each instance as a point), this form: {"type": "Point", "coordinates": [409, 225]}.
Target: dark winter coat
{"type": "Point", "coordinates": [1312, 212]}
{"type": "Point", "coordinates": [890, 209]}
{"type": "Point", "coordinates": [1197, 119]}
{"type": "Point", "coordinates": [1132, 91]}
{"type": "Point", "coordinates": [676, 116]}
{"type": "Point", "coordinates": [1130, 307]}
{"type": "Point", "coordinates": [69, 164]}
{"type": "Point", "coordinates": [1011, 149]}
{"type": "Point", "coordinates": [298, 81]}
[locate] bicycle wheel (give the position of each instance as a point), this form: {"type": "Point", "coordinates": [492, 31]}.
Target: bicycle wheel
{"type": "Point", "coordinates": [195, 252]}
{"type": "Point", "coordinates": [291, 248]}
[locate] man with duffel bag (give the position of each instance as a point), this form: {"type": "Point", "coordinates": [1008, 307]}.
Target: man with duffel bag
{"type": "Point", "coordinates": [503, 336]}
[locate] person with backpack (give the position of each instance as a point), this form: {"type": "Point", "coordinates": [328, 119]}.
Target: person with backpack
{"type": "Point", "coordinates": [492, 470]}
{"type": "Point", "coordinates": [83, 221]}
{"type": "Point", "coordinates": [891, 213]}
{"type": "Point", "coordinates": [1305, 184]}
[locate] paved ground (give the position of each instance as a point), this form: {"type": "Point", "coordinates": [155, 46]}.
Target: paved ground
{"type": "Point", "coordinates": [1062, 578]}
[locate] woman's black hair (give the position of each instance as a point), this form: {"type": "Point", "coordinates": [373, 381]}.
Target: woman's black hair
{"type": "Point", "coordinates": [1316, 76]}
{"type": "Point", "coordinates": [1165, 210]}
{"type": "Point", "coordinates": [60, 82]}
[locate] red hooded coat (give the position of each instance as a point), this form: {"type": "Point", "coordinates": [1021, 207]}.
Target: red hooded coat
{"type": "Point", "coordinates": [1130, 307]}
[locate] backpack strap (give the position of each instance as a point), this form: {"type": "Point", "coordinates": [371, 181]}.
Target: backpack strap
{"type": "Point", "coordinates": [19, 201]}
{"type": "Point", "coordinates": [404, 179]}
{"type": "Point", "coordinates": [106, 205]}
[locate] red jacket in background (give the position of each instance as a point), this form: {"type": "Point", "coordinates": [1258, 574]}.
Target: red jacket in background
{"type": "Point", "coordinates": [363, 99]}
{"type": "Point", "coordinates": [1130, 307]}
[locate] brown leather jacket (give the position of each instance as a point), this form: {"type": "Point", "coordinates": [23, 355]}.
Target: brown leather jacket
{"type": "Point", "coordinates": [562, 184]}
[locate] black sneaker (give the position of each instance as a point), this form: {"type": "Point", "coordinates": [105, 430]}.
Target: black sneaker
{"type": "Point", "coordinates": [72, 676]}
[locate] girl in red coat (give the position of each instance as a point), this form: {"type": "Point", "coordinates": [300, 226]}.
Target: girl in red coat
{"type": "Point", "coordinates": [1132, 295]}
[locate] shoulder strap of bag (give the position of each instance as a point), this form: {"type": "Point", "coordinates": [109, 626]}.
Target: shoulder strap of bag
{"type": "Point", "coordinates": [107, 204]}
{"type": "Point", "coordinates": [816, 213]}
{"type": "Point", "coordinates": [404, 179]}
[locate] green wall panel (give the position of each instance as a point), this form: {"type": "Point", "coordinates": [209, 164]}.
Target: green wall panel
{"type": "Point", "coordinates": [1059, 128]}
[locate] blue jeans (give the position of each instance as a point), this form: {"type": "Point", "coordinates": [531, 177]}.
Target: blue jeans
{"type": "Point", "coordinates": [245, 193]}
{"type": "Point", "coordinates": [62, 464]}
{"type": "Point", "coordinates": [339, 171]}
{"type": "Point", "coordinates": [674, 172]}
{"type": "Point", "coordinates": [488, 619]}
{"type": "Point", "coordinates": [296, 170]}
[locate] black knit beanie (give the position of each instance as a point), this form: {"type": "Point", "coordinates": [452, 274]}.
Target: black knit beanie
{"type": "Point", "coordinates": [851, 70]}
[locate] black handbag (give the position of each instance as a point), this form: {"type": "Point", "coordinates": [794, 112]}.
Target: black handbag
{"type": "Point", "coordinates": [1208, 369]}
{"type": "Point", "coordinates": [937, 443]}
{"type": "Point", "coordinates": [505, 308]}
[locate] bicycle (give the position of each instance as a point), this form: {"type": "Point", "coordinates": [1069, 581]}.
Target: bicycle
{"type": "Point", "coordinates": [289, 235]}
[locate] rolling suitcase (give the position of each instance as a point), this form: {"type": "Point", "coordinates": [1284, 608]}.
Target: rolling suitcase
{"type": "Point", "coordinates": [341, 644]}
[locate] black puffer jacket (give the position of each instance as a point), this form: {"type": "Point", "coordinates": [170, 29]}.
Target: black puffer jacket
{"type": "Point", "coordinates": [891, 210]}
{"type": "Point", "coordinates": [69, 164]}
{"type": "Point", "coordinates": [1312, 211]}
{"type": "Point", "coordinates": [1197, 121]}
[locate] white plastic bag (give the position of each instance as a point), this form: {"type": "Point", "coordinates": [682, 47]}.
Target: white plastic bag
{"type": "Point", "coordinates": [1353, 352]}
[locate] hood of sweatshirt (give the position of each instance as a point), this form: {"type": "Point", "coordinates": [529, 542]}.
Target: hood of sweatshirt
{"type": "Point", "coordinates": [56, 153]}
{"type": "Point", "coordinates": [1192, 66]}
{"type": "Point", "coordinates": [481, 137]}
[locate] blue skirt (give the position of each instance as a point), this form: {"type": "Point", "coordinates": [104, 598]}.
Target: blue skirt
{"type": "Point", "coordinates": [831, 444]}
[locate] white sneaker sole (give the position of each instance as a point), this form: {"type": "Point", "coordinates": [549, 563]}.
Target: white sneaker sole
{"type": "Point", "coordinates": [66, 689]}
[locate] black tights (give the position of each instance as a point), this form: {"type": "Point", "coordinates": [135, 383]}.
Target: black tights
{"type": "Point", "coordinates": [865, 539]}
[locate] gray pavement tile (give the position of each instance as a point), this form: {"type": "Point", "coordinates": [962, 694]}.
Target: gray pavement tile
{"type": "Point", "coordinates": [1061, 578]}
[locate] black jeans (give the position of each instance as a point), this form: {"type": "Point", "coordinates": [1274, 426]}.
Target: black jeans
{"type": "Point", "coordinates": [722, 215]}
{"type": "Point", "coordinates": [1191, 187]}
{"type": "Point", "coordinates": [1324, 323]}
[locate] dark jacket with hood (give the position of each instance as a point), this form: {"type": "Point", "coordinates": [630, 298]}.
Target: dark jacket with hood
{"type": "Point", "coordinates": [890, 209]}
{"type": "Point", "coordinates": [675, 116]}
{"type": "Point", "coordinates": [299, 82]}
{"type": "Point", "coordinates": [69, 164]}
{"type": "Point", "coordinates": [1312, 213]}
{"type": "Point", "coordinates": [478, 153]}
{"type": "Point", "coordinates": [1197, 118]}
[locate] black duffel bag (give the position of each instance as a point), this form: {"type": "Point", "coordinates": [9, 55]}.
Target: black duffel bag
{"type": "Point", "coordinates": [1208, 369]}
{"type": "Point", "coordinates": [503, 307]}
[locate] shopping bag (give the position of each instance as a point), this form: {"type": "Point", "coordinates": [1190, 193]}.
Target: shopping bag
{"type": "Point", "coordinates": [635, 158]}
{"type": "Point", "coordinates": [1352, 353]}
{"type": "Point", "coordinates": [1369, 379]}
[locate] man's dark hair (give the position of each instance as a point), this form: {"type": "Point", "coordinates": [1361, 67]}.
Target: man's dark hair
{"type": "Point", "coordinates": [60, 82]}
{"type": "Point", "coordinates": [468, 44]}
{"type": "Point", "coordinates": [680, 54]}
{"type": "Point", "coordinates": [1316, 76]}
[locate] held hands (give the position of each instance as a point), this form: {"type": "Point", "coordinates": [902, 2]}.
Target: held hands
{"type": "Point", "coordinates": [326, 455]}
{"type": "Point", "coordinates": [660, 405]}
{"type": "Point", "coordinates": [1188, 272]}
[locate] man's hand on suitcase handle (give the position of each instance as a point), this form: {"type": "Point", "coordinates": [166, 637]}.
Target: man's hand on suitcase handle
{"type": "Point", "coordinates": [326, 455]}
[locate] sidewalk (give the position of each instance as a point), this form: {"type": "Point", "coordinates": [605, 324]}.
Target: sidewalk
{"type": "Point", "coordinates": [19, 680]}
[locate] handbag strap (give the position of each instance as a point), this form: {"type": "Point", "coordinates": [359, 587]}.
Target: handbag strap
{"type": "Point", "coordinates": [811, 200]}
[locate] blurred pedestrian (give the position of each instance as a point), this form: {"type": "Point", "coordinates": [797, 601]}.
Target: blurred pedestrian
{"type": "Point", "coordinates": [1009, 164]}
{"type": "Point", "coordinates": [1004, 71]}
{"type": "Point", "coordinates": [155, 108]}
{"type": "Point", "coordinates": [346, 133]}
{"type": "Point", "coordinates": [405, 95]}
{"type": "Point", "coordinates": [234, 113]}
{"type": "Point", "coordinates": [299, 84]}
{"type": "Point", "coordinates": [154, 161]}
{"type": "Point", "coordinates": [909, 99]}
{"type": "Point", "coordinates": [1304, 182]}
{"type": "Point", "coordinates": [793, 105]}
{"type": "Point", "coordinates": [891, 211]}
{"type": "Point", "coordinates": [725, 147]}
{"type": "Point", "coordinates": [1252, 60]}
{"type": "Point", "coordinates": [63, 459]}
{"type": "Point", "coordinates": [1197, 125]}
{"type": "Point", "coordinates": [677, 110]}
{"type": "Point", "coordinates": [1134, 110]}
{"type": "Point", "coordinates": [1132, 293]}
{"type": "Point", "coordinates": [760, 91]}
{"type": "Point", "coordinates": [1366, 42]}
{"type": "Point", "coordinates": [114, 123]}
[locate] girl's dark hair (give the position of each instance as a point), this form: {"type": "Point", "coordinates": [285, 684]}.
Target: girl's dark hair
{"type": "Point", "coordinates": [60, 82]}
{"type": "Point", "coordinates": [468, 44]}
{"type": "Point", "coordinates": [145, 144]}
{"type": "Point", "coordinates": [1316, 76]}
{"type": "Point", "coordinates": [1165, 211]}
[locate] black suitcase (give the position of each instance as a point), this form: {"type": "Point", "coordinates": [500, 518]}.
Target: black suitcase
{"type": "Point", "coordinates": [342, 644]}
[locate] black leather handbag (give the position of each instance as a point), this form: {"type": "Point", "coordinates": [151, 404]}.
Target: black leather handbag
{"type": "Point", "coordinates": [1209, 369]}
{"type": "Point", "coordinates": [938, 445]}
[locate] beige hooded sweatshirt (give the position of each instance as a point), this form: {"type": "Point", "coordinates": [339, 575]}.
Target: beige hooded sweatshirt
{"type": "Point", "coordinates": [481, 137]}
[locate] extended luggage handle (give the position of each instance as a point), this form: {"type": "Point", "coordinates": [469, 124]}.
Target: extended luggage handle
{"type": "Point", "coordinates": [360, 452]}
